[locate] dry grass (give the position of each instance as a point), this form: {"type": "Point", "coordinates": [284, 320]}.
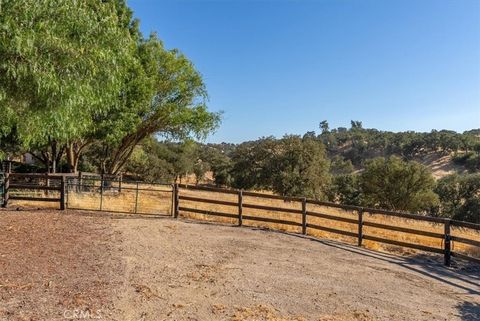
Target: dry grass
{"type": "Point", "coordinates": [157, 199]}
{"type": "Point", "coordinates": [377, 218]}
{"type": "Point", "coordinates": [150, 199]}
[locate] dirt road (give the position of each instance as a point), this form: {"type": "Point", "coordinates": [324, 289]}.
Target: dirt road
{"type": "Point", "coordinates": [162, 269]}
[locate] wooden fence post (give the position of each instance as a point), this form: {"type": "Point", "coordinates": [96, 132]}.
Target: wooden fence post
{"type": "Point", "coordinates": [79, 182]}
{"type": "Point", "coordinates": [447, 240]}
{"type": "Point", "coordinates": [304, 216]}
{"type": "Point", "coordinates": [136, 199]}
{"type": "Point", "coordinates": [240, 207]}
{"type": "Point", "coordinates": [6, 187]}
{"type": "Point", "coordinates": [172, 207]}
{"type": "Point", "coordinates": [176, 201]}
{"type": "Point", "coordinates": [62, 193]}
{"type": "Point", "coordinates": [360, 227]}
{"type": "Point", "coordinates": [101, 193]}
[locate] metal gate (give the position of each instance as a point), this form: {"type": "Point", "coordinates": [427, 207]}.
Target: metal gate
{"type": "Point", "coordinates": [119, 196]}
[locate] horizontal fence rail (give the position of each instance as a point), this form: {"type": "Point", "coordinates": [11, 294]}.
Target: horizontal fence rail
{"type": "Point", "coordinates": [15, 183]}
{"type": "Point", "coordinates": [119, 196]}
{"type": "Point", "coordinates": [172, 199]}
{"type": "Point", "coordinates": [2, 188]}
{"type": "Point", "coordinates": [445, 239]}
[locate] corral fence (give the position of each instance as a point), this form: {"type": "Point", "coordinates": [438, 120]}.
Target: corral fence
{"type": "Point", "coordinates": [118, 196]}
{"type": "Point", "coordinates": [88, 191]}
{"type": "Point", "coordinates": [300, 215]}
{"type": "Point", "coordinates": [2, 188]}
{"type": "Point", "coordinates": [43, 187]}
{"type": "Point", "coordinates": [34, 188]}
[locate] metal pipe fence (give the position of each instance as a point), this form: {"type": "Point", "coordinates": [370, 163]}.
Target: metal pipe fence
{"type": "Point", "coordinates": [118, 196]}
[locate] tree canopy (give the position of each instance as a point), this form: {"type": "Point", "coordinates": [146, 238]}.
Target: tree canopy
{"type": "Point", "coordinates": [61, 62]}
{"type": "Point", "coordinates": [79, 73]}
{"type": "Point", "coordinates": [460, 197]}
{"type": "Point", "coordinates": [397, 185]}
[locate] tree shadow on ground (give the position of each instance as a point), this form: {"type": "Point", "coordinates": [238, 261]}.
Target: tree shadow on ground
{"type": "Point", "coordinates": [464, 276]}
{"type": "Point", "coordinates": [469, 311]}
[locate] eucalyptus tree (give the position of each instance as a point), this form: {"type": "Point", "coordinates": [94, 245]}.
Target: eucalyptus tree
{"type": "Point", "coordinates": [61, 61]}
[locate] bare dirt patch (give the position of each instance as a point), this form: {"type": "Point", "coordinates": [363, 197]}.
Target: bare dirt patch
{"type": "Point", "coordinates": [52, 264]}
{"type": "Point", "coordinates": [213, 272]}
{"type": "Point", "coordinates": [162, 269]}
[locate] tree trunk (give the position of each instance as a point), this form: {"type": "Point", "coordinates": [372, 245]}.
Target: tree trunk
{"type": "Point", "coordinates": [53, 146]}
{"type": "Point", "coordinates": [74, 151]}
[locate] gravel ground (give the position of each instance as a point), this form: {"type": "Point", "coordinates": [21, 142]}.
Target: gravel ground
{"type": "Point", "coordinates": [162, 269]}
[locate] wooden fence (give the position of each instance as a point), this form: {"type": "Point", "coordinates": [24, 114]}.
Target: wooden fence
{"type": "Point", "coordinates": [14, 186]}
{"type": "Point", "coordinates": [242, 215]}
{"type": "Point", "coordinates": [19, 182]}
{"type": "Point", "coordinates": [2, 188]}
{"type": "Point", "coordinates": [243, 210]}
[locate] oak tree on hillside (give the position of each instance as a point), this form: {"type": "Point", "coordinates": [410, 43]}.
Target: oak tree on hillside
{"type": "Point", "coordinates": [301, 168]}
{"type": "Point", "coordinates": [394, 184]}
{"type": "Point", "coordinates": [460, 197]}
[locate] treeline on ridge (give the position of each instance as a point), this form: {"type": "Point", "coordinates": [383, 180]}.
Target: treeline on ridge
{"type": "Point", "coordinates": [353, 166]}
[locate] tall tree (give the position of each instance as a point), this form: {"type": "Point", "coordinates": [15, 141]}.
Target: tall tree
{"type": "Point", "coordinates": [252, 163]}
{"type": "Point", "coordinates": [169, 99]}
{"type": "Point", "coordinates": [61, 62]}
{"type": "Point", "coordinates": [324, 126]}
{"type": "Point", "coordinates": [301, 168]}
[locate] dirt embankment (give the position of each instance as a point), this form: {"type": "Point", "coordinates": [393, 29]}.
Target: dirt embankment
{"type": "Point", "coordinates": [161, 269]}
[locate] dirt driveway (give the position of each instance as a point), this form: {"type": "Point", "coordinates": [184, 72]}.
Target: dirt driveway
{"type": "Point", "coordinates": [57, 266]}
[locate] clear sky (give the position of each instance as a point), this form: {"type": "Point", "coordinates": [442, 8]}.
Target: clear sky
{"type": "Point", "coordinates": [277, 67]}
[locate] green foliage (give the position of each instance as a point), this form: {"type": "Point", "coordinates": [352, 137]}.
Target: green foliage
{"type": "Point", "coordinates": [79, 73]}
{"type": "Point", "coordinates": [324, 127]}
{"type": "Point", "coordinates": [61, 62]}
{"type": "Point", "coordinates": [166, 161]}
{"type": "Point", "coordinates": [218, 161]}
{"type": "Point", "coordinates": [184, 156]}
{"type": "Point", "coordinates": [345, 190]}
{"type": "Point", "coordinates": [397, 185]}
{"type": "Point", "coordinates": [200, 168]}
{"type": "Point", "coordinates": [340, 166]}
{"type": "Point", "coordinates": [10, 145]}
{"type": "Point", "coordinates": [359, 144]}
{"type": "Point", "coordinates": [460, 197]}
{"type": "Point", "coordinates": [470, 160]}
{"type": "Point", "coordinates": [300, 168]}
{"type": "Point", "coordinates": [291, 166]}
{"type": "Point", "coordinates": [252, 164]}
{"type": "Point", "coordinates": [149, 167]}
{"type": "Point", "coordinates": [169, 100]}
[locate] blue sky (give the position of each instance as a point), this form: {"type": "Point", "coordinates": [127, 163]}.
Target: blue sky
{"type": "Point", "coordinates": [278, 67]}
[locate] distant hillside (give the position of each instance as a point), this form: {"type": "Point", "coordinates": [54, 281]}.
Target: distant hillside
{"type": "Point", "coordinates": [441, 165]}
{"type": "Point", "coordinates": [443, 151]}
